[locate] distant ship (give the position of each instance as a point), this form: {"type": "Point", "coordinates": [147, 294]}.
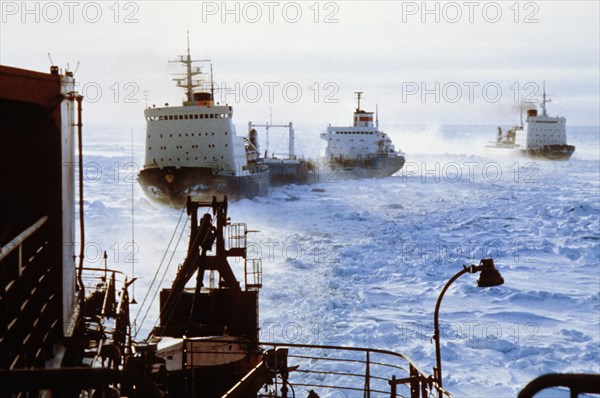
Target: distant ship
{"type": "Point", "coordinates": [361, 150]}
{"type": "Point", "coordinates": [546, 136]}
{"type": "Point", "coordinates": [193, 150]}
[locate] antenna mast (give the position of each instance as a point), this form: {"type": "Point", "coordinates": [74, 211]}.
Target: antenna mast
{"type": "Point", "coordinates": [189, 87]}
{"type": "Point", "coordinates": [212, 83]}
{"type": "Point", "coordinates": [359, 94]}
{"type": "Point", "coordinates": [188, 83]}
{"type": "Point", "coordinates": [544, 100]}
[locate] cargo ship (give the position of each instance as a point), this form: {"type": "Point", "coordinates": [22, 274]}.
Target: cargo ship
{"type": "Point", "coordinates": [361, 150]}
{"type": "Point", "coordinates": [193, 149]}
{"type": "Point", "coordinates": [545, 136]}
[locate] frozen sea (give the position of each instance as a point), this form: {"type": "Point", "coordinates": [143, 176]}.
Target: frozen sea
{"type": "Point", "coordinates": [362, 262]}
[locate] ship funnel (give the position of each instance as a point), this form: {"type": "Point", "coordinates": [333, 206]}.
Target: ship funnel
{"type": "Point", "coordinates": [532, 113]}
{"type": "Point", "coordinates": [203, 99]}
{"type": "Point", "coordinates": [253, 138]}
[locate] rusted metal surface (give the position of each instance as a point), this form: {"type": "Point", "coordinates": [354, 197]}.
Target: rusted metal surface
{"type": "Point", "coordinates": [30, 87]}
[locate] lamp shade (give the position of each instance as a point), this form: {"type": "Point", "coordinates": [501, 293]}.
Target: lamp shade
{"type": "Point", "coordinates": [489, 276]}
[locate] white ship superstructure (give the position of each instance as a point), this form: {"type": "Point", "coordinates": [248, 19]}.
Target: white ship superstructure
{"type": "Point", "coordinates": [547, 135]}
{"type": "Point", "coordinates": [193, 149]}
{"type": "Point", "coordinates": [195, 135]}
{"type": "Point", "coordinates": [362, 149]}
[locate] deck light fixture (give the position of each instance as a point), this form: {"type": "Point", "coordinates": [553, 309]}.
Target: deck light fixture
{"type": "Point", "coordinates": [489, 277]}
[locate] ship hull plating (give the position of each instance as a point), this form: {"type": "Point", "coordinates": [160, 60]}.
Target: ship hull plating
{"type": "Point", "coordinates": [552, 152]}
{"type": "Point", "coordinates": [368, 168]}
{"type": "Point", "coordinates": [172, 186]}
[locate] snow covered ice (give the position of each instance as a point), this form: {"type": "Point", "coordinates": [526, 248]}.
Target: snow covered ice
{"type": "Point", "coordinates": [362, 262]}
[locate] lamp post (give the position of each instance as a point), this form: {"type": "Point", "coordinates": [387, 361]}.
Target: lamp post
{"type": "Point", "coordinates": [489, 277]}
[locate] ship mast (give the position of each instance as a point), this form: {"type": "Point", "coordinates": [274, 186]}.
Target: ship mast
{"type": "Point", "coordinates": [212, 84]}
{"type": "Point", "coordinates": [544, 101]}
{"type": "Point", "coordinates": [358, 94]}
{"type": "Point", "coordinates": [188, 64]}
{"type": "Point", "coordinates": [188, 83]}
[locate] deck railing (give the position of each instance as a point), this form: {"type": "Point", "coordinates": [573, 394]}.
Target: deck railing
{"type": "Point", "coordinates": [296, 369]}
{"type": "Point", "coordinates": [355, 371]}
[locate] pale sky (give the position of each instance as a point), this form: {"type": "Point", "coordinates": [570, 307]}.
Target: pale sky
{"type": "Point", "coordinates": [396, 52]}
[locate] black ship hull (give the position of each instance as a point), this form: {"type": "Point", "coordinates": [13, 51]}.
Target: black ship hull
{"type": "Point", "coordinates": [552, 152]}
{"type": "Point", "coordinates": [172, 186]}
{"type": "Point", "coordinates": [367, 168]}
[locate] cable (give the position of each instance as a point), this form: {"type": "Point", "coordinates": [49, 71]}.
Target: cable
{"type": "Point", "coordinates": [159, 266]}
{"type": "Point", "coordinates": [161, 280]}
